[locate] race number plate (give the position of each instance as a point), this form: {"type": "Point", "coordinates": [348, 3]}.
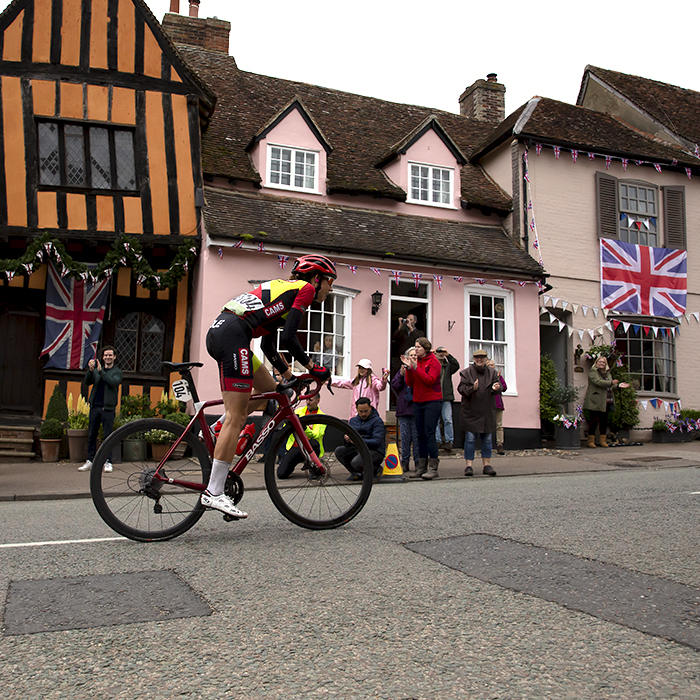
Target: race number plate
{"type": "Point", "coordinates": [181, 390]}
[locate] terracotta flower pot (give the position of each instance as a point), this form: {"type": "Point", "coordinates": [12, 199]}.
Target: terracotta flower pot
{"type": "Point", "coordinates": [159, 451]}
{"type": "Point", "coordinates": [50, 449]}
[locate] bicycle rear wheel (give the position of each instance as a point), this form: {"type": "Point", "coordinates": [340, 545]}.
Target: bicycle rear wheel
{"type": "Point", "coordinates": [130, 500]}
{"type": "Point", "coordinates": [307, 498]}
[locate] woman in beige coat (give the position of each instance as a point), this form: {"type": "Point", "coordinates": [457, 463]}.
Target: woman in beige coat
{"type": "Point", "coordinates": [599, 400]}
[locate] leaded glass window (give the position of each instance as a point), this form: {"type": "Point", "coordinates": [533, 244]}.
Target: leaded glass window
{"type": "Point", "coordinates": [139, 341]}
{"type": "Point", "coordinates": [81, 156]}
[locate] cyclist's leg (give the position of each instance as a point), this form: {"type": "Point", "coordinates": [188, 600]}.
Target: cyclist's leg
{"type": "Point", "coordinates": [263, 382]}
{"type": "Point", "coordinates": [228, 342]}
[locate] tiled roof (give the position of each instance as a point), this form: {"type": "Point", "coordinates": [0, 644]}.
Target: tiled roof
{"type": "Point", "coordinates": [562, 124]}
{"type": "Point", "coordinates": [333, 229]}
{"type": "Point", "coordinates": [360, 130]}
{"type": "Point", "coordinates": [676, 107]}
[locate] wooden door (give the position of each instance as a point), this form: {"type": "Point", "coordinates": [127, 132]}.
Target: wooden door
{"type": "Point", "coordinates": [21, 376]}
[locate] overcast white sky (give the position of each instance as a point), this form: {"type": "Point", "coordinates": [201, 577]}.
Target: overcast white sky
{"type": "Point", "coordinates": [426, 53]}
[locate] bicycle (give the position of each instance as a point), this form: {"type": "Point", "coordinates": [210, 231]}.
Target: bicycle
{"type": "Point", "coordinates": [150, 499]}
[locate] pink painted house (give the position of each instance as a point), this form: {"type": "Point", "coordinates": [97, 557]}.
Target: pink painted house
{"type": "Point", "coordinates": [620, 165]}
{"type": "Point", "coordinates": [389, 193]}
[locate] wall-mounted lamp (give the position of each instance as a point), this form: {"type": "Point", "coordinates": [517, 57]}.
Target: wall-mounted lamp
{"type": "Point", "coordinates": [376, 302]}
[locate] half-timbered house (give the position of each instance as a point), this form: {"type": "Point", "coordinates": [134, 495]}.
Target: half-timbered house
{"type": "Point", "coordinates": [100, 124]}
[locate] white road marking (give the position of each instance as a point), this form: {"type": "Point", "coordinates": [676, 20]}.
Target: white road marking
{"type": "Point", "coordinates": [695, 493]}
{"type": "Point", "coordinates": [43, 544]}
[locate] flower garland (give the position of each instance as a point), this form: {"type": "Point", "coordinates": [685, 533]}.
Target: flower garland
{"type": "Point", "coordinates": [126, 251]}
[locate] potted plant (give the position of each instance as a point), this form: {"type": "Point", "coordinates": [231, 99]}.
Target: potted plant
{"type": "Point", "coordinates": [184, 420]}
{"type": "Point", "coordinates": [50, 436]}
{"type": "Point", "coordinates": [78, 424]}
{"type": "Point", "coordinates": [160, 441]}
{"type": "Point", "coordinates": [567, 431]}
{"type": "Point", "coordinates": [134, 447]}
{"type": "Point", "coordinates": [548, 382]}
{"type": "Point", "coordinates": [167, 407]}
{"type": "Point", "coordinates": [625, 413]}
{"type": "Point", "coordinates": [58, 409]}
{"type": "Point", "coordinates": [678, 427]}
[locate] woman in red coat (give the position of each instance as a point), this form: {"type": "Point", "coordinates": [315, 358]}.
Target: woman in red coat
{"type": "Point", "coordinates": [423, 376]}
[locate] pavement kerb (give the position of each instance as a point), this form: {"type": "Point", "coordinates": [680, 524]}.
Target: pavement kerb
{"type": "Point", "coordinates": [38, 480]}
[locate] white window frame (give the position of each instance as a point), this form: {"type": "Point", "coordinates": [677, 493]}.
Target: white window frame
{"type": "Point", "coordinates": [348, 295]}
{"type": "Point", "coordinates": [429, 202]}
{"type": "Point", "coordinates": [509, 318]}
{"type": "Point", "coordinates": [294, 151]}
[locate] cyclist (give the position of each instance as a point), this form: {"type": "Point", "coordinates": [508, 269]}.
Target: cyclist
{"type": "Point", "coordinates": [258, 314]}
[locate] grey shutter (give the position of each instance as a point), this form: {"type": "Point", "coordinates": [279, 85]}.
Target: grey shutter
{"type": "Point", "coordinates": [674, 217]}
{"type": "Point", "coordinates": [608, 210]}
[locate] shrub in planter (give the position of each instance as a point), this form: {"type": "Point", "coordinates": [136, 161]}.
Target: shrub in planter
{"type": "Point", "coordinates": [136, 407]}
{"type": "Point", "coordinates": [57, 407]}
{"type": "Point", "coordinates": [166, 407]}
{"type": "Point", "coordinates": [51, 429]}
{"type": "Point", "coordinates": [548, 382]}
{"type": "Point", "coordinates": [180, 418]}
{"type": "Point", "coordinates": [79, 417]}
{"type": "Point", "coordinates": [625, 413]}
{"type": "Point", "coordinates": [159, 437]}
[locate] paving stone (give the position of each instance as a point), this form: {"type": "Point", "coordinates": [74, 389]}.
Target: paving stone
{"type": "Point", "coordinates": [83, 602]}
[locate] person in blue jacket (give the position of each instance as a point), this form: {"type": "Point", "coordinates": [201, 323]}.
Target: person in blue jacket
{"type": "Point", "coordinates": [369, 424]}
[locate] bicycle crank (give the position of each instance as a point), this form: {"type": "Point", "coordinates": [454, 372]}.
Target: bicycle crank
{"type": "Point", "coordinates": [233, 488]}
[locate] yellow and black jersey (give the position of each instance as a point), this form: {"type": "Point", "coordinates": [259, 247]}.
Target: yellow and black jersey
{"type": "Point", "coordinates": [266, 307]}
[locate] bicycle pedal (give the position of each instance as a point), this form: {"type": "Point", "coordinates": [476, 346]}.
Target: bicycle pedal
{"type": "Point", "coordinates": [229, 518]}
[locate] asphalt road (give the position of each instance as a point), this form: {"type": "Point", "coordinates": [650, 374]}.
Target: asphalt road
{"type": "Point", "coordinates": [353, 613]}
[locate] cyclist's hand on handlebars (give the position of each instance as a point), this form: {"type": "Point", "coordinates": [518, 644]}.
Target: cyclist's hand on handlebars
{"type": "Point", "coordinates": [320, 372]}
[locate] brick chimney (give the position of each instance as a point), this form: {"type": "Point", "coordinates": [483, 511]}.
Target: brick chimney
{"type": "Point", "coordinates": [484, 100]}
{"type": "Point", "coordinates": [211, 33]}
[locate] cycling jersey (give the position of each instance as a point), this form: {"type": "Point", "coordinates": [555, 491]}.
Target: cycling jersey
{"type": "Point", "coordinates": [258, 314]}
{"type": "Point", "coordinates": [266, 307]}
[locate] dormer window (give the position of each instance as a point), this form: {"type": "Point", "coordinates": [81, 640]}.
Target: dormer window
{"type": "Point", "coordinates": [429, 184]}
{"type": "Point", "coordinates": [292, 169]}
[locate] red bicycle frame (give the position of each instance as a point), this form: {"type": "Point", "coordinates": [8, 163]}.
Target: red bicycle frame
{"type": "Point", "coordinates": [284, 412]}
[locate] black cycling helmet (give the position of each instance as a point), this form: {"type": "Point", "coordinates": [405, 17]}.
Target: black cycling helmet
{"type": "Point", "coordinates": [308, 264]}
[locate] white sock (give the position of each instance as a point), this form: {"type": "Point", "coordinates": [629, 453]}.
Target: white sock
{"type": "Point", "coordinates": [219, 472]}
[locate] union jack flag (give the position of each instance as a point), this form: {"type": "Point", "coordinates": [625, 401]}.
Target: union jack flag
{"type": "Point", "coordinates": [557, 151]}
{"type": "Point", "coordinates": [74, 313]}
{"type": "Point", "coordinates": [608, 160]}
{"type": "Point", "coordinates": [642, 280]}
{"type": "Point", "coordinates": [353, 269]}
{"type": "Point", "coordinates": [538, 148]}
{"type": "Point", "coordinates": [417, 278]}
{"type": "Point", "coordinates": [459, 279]}
{"type": "Point", "coordinates": [574, 154]}
{"type": "Point", "coordinates": [397, 275]}
{"type": "Point", "coordinates": [283, 259]}
{"type": "Point", "coordinates": [376, 271]}
{"type": "Point", "coordinates": [438, 281]}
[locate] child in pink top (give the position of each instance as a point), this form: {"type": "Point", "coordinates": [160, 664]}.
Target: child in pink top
{"type": "Point", "coordinates": [364, 384]}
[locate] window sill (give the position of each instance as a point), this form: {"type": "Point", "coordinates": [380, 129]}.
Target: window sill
{"type": "Point", "coordinates": [289, 188]}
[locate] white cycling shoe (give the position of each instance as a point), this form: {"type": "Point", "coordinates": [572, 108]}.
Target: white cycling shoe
{"type": "Point", "coordinates": [223, 503]}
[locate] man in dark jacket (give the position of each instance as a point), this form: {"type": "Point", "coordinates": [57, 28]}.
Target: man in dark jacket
{"type": "Point", "coordinates": [105, 378]}
{"type": "Point", "coordinates": [477, 386]}
{"type": "Point", "coordinates": [369, 424]}
{"type": "Point", "coordinates": [449, 366]}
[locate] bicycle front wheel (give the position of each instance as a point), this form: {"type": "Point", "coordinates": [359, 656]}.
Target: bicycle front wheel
{"type": "Point", "coordinates": [130, 499]}
{"type": "Point", "coordinates": [303, 495]}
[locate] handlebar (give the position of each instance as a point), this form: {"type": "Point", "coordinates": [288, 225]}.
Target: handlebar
{"type": "Point", "coordinates": [301, 382]}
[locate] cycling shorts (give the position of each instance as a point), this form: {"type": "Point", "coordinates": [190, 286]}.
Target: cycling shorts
{"type": "Point", "coordinates": [228, 342]}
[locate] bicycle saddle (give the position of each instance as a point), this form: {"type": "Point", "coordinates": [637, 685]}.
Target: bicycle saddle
{"type": "Point", "coordinates": [181, 366]}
